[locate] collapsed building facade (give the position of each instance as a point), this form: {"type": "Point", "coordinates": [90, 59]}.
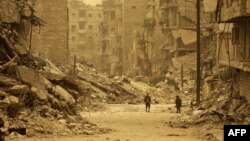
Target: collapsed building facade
{"type": "Point", "coordinates": [36, 97]}
{"type": "Point", "coordinates": [178, 23]}
{"type": "Point", "coordinates": [233, 52]}
{"type": "Point", "coordinates": [121, 18]}
{"type": "Point", "coordinates": [149, 58]}
{"type": "Point", "coordinates": [111, 30]}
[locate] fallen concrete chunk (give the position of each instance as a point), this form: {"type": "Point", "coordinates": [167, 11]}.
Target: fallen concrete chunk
{"type": "Point", "coordinates": [53, 76]}
{"type": "Point", "coordinates": [6, 81]}
{"type": "Point", "coordinates": [18, 89]}
{"type": "Point", "coordinates": [40, 95]}
{"type": "Point", "coordinates": [21, 50]}
{"type": "Point", "coordinates": [35, 79]}
{"type": "Point", "coordinates": [52, 72]}
{"type": "Point", "coordinates": [52, 68]}
{"type": "Point", "coordinates": [2, 94]}
{"type": "Point", "coordinates": [11, 99]}
{"type": "Point", "coordinates": [54, 101]}
{"type": "Point", "coordinates": [73, 92]}
{"type": "Point", "coordinates": [63, 94]}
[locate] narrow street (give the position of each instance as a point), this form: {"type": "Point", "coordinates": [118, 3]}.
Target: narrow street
{"type": "Point", "coordinates": [131, 123]}
{"type": "Point", "coordinates": [82, 70]}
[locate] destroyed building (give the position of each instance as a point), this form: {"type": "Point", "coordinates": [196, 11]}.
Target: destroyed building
{"type": "Point", "coordinates": [35, 96]}
{"type": "Point", "coordinates": [149, 57]}
{"type": "Point", "coordinates": [234, 53]}
{"type": "Point", "coordinates": [111, 29]}
{"type": "Point", "coordinates": [84, 37]}
{"type": "Point", "coordinates": [178, 23]}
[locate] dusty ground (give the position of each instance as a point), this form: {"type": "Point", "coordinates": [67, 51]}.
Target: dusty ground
{"type": "Point", "coordinates": [131, 123]}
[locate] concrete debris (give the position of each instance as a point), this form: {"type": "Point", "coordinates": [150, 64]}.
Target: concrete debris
{"type": "Point", "coordinates": [2, 94]}
{"type": "Point", "coordinates": [64, 95]}
{"type": "Point", "coordinates": [213, 112]}
{"type": "Point", "coordinates": [52, 72]}
{"type": "Point", "coordinates": [11, 99]}
{"type": "Point", "coordinates": [18, 90]}
{"type": "Point", "coordinates": [35, 94]}
{"type": "Point", "coordinates": [34, 79]}
{"type": "Point", "coordinates": [36, 97]}
{"type": "Point", "coordinates": [7, 81]}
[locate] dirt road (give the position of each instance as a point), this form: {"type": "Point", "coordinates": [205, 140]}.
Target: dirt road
{"type": "Point", "coordinates": [132, 123]}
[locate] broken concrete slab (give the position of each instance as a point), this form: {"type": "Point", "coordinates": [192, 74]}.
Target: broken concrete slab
{"type": "Point", "coordinates": [54, 101]}
{"type": "Point", "coordinates": [39, 94]}
{"type": "Point", "coordinates": [21, 50]}
{"type": "Point", "coordinates": [64, 95]}
{"type": "Point", "coordinates": [35, 79]}
{"type": "Point", "coordinates": [52, 72]}
{"type": "Point", "coordinates": [2, 94]}
{"type": "Point", "coordinates": [11, 99]}
{"type": "Point", "coordinates": [52, 68]}
{"type": "Point", "coordinates": [53, 76]}
{"type": "Point", "coordinates": [18, 89]}
{"type": "Point", "coordinates": [7, 81]}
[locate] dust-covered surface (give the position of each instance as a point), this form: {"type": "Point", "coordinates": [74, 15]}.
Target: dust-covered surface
{"type": "Point", "coordinates": [77, 100]}
{"type": "Point", "coordinates": [131, 122]}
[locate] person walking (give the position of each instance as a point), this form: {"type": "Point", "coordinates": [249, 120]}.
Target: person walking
{"type": "Point", "coordinates": [147, 101]}
{"type": "Point", "coordinates": [178, 104]}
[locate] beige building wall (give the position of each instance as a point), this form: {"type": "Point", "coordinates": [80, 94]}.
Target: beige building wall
{"type": "Point", "coordinates": [134, 15]}
{"type": "Point", "coordinates": [50, 39]}
{"type": "Point", "coordinates": [92, 40]}
{"type": "Point", "coordinates": [84, 37]}
{"type": "Point", "coordinates": [112, 33]}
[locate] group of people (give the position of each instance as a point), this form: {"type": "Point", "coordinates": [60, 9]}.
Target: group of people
{"type": "Point", "coordinates": [178, 102]}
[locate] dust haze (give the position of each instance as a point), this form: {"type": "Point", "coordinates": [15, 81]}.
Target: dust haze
{"type": "Point", "coordinates": [123, 70]}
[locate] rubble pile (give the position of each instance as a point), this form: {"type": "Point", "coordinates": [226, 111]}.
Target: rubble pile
{"type": "Point", "coordinates": [119, 89]}
{"type": "Point", "coordinates": [103, 88]}
{"type": "Point", "coordinates": [226, 110]}
{"type": "Point", "coordinates": [222, 108]}
{"type": "Point", "coordinates": [189, 68]}
{"type": "Point", "coordinates": [35, 96]}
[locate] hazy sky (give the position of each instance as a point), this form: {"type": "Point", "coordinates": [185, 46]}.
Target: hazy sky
{"type": "Point", "coordinates": [92, 2]}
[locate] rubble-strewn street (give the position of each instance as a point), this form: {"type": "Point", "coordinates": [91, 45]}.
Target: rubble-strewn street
{"type": "Point", "coordinates": [123, 70]}
{"type": "Point", "coordinates": [130, 122]}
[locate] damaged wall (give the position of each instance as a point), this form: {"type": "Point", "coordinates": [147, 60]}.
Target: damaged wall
{"type": "Point", "coordinates": [178, 15]}
{"type": "Point", "coordinates": [244, 84]}
{"type": "Point", "coordinates": [52, 37]}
